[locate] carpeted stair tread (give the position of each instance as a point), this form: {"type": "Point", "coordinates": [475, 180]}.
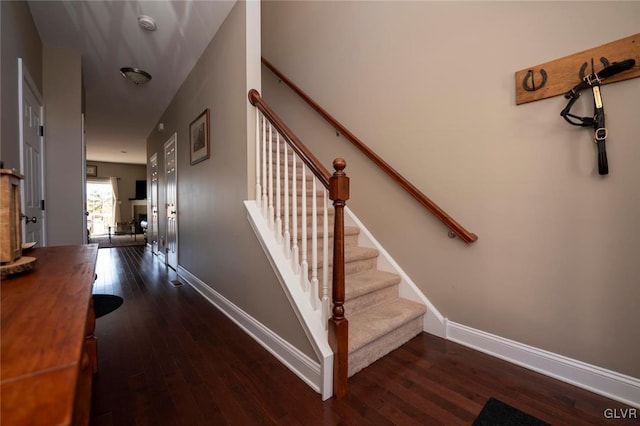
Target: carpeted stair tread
{"type": "Point", "coordinates": [371, 324]}
{"type": "Point", "coordinates": [365, 282]}
{"type": "Point", "coordinates": [351, 254]}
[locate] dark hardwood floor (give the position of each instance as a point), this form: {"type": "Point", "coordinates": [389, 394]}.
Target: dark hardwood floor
{"type": "Point", "coordinates": [168, 357]}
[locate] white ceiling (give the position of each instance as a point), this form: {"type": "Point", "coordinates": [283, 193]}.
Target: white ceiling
{"type": "Point", "coordinates": [120, 115]}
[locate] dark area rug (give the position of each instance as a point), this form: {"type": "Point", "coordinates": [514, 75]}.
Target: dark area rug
{"type": "Point", "coordinates": [104, 304]}
{"type": "Point", "coordinates": [117, 241]}
{"type": "Point", "coordinates": [497, 413]}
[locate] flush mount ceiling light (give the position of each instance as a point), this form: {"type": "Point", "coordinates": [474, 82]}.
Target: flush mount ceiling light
{"type": "Point", "coordinates": [147, 23]}
{"type": "Point", "coordinates": [135, 75]}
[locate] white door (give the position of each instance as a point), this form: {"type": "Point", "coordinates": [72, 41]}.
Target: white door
{"type": "Point", "coordinates": [152, 230]}
{"type": "Point", "coordinates": [31, 157]}
{"type": "Point", "coordinates": [171, 177]}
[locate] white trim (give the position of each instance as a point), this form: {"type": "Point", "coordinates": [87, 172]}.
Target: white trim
{"type": "Point", "coordinates": [298, 362]}
{"type": "Point", "coordinates": [85, 234]}
{"type": "Point", "coordinates": [610, 384]}
{"type": "Point", "coordinates": [434, 322]}
{"type": "Point", "coordinates": [310, 319]}
{"type": "Point", "coordinates": [153, 196]}
{"type": "Point", "coordinates": [172, 139]}
{"type": "Point", "coordinates": [24, 78]}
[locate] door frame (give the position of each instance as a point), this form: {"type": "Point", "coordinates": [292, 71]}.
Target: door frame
{"type": "Point", "coordinates": [153, 203]}
{"type": "Point", "coordinates": [24, 78]}
{"type": "Point", "coordinates": [85, 213]}
{"type": "Point", "coordinates": [173, 139]}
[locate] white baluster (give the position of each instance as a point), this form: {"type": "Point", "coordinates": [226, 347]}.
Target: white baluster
{"type": "Point", "coordinates": [264, 169]}
{"type": "Point", "coordinates": [304, 265]}
{"type": "Point", "coordinates": [314, 295]}
{"type": "Point", "coordinates": [278, 199]}
{"type": "Point", "coordinates": [287, 233]}
{"type": "Point", "coordinates": [295, 251]}
{"type": "Point", "coordinates": [258, 186]}
{"type": "Point", "coordinates": [271, 211]}
{"type": "Point", "coordinates": [325, 260]}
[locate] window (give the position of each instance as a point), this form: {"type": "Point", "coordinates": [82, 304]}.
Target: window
{"type": "Point", "coordinates": [99, 206]}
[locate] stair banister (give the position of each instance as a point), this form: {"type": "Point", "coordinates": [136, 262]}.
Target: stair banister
{"type": "Point", "coordinates": [338, 326]}
{"type": "Point", "coordinates": [338, 186]}
{"type": "Point", "coordinates": [303, 152]}
{"type": "Point", "coordinates": [452, 224]}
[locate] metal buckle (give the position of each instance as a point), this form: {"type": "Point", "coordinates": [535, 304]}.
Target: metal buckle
{"type": "Point", "coordinates": [592, 78]}
{"type": "Point", "coordinates": [600, 134]}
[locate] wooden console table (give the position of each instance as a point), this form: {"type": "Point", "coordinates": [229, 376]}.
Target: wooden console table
{"type": "Point", "coordinates": [48, 348]}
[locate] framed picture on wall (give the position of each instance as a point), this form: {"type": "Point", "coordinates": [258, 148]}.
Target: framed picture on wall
{"type": "Point", "coordinates": [200, 144]}
{"type": "Point", "coordinates": [92, 171]}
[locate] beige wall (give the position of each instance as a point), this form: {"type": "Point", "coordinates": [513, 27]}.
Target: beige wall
{"type": "Point", "coordinates": [18, 39]}
{"type": "Point", "coordinates": [216, 242]}
{"type": "Point", "coordinates": [63, 146]}
{"type": "Point", "coordinates": [430, 87]}
{"type": "Point", "coordinates": [128, 174]}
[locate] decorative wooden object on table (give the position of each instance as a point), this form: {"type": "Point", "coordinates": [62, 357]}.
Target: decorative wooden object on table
{"type": "Point", "coordinates": [560, 75]}
{"type": "Point", "coordinates": [48, 348]}
{"type": "Point", "coordinates": [10, 218]}
{"type": "Point", "coordinates": [11, 259]}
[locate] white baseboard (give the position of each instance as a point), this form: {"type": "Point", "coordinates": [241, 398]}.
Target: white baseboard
{"type": "Point", "coordinates": [613, 385]}
{"type": "Point", "coordinates": [298, 362]}
{"type": "Point", "coordinates": [595, 379]}
{"type": "Point", "coordinates": [616, 386]}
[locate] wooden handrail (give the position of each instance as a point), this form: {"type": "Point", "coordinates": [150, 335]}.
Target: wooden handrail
{"type": "Point", "coordinates": [303, 152]}
{"type": "Point", "coordinates": [452, 224]}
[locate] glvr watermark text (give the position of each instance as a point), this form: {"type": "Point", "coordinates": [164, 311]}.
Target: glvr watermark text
{"type": "Point", "coordinates": [620, 413]}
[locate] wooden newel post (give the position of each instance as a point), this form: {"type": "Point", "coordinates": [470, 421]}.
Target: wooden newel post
{"type": "Point", "coordinates": [338, 325]}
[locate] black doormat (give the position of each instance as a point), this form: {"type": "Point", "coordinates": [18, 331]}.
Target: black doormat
{"type": "Point", "coordinates": [104, 304]}
{"type": "Point", "coordinates": [497, 413]}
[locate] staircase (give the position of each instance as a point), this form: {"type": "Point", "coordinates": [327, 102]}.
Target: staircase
{"type": "Point", "coordinates": [379, 320]}
{"type": "Point", "coordinates": [294, 220]}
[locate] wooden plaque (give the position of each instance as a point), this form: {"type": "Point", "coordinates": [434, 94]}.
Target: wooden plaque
{"type": "Point", "coordinates": [560, 75]}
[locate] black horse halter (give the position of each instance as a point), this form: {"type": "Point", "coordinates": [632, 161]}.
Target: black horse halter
{"type": "Point", "coordinates": [593, 81]}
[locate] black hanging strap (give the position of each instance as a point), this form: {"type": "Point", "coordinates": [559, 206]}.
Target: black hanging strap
{"type": "Point", "coordinates": [593, 81]}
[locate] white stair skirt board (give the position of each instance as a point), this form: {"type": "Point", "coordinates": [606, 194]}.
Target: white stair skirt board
{"type": "Point", "coordinates": [620, 387]}
{"type": "Point", "coordinates": [307, 369]}
{"type": "Point", "coordinates": [299, 300]}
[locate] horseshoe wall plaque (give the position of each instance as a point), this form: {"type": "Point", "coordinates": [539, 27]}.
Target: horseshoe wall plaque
{"type": "Point", "coordinates": [529, 83]}
{"type": "Point", "coordinates": [556, 77]}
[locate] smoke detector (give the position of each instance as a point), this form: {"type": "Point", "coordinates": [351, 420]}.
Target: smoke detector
{"type": "Point", "coordinates": [147, 23]}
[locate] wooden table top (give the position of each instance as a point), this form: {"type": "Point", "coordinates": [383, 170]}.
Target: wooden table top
{"type": "Point", "coordinates": [44, 314]}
